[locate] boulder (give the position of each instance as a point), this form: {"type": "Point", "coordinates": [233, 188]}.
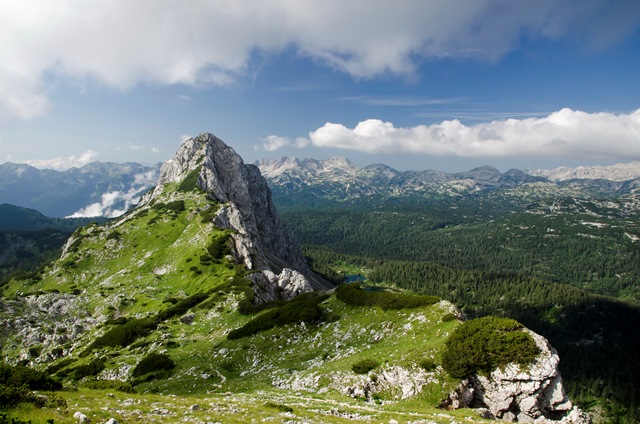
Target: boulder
{"type": "Point", "coordinates": [512, 393]}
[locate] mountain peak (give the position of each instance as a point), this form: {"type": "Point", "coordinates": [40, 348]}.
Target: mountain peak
{"type": "Point", "coordinates": [261, 242]}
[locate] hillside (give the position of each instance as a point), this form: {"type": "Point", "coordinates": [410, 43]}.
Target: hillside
{"type": "Point", "coordinates": [196, 297]}
{"type": "Point", "coordinates": [28, 239]}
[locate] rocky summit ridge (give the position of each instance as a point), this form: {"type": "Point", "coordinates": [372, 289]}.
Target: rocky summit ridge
{"type": "Point", "coordinates": [261, 241]}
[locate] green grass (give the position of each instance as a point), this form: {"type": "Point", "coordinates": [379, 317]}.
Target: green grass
{"type": "Point", "coordinates": [132, 281]}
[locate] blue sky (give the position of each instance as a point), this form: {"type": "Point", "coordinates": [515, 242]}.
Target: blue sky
{"type": "Point", "coordinates": [447, 85]}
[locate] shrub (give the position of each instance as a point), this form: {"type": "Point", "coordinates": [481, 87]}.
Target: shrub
{"type": "Point", "coordinates": [114, 235]}
{"type": "Point", "coordinates": [52, 369]}
{"type": "Point", "coordinates": [17, 382]}
{"type": "Point", "coordinates": [354, 295]}
{"type": "Point", "coordinates": [484, 344]}
{"type": "Point", "coordinates": [25, 376]}
{"type": "Point", "coordinates": [208, 214]}
{"type": "Point", "coordinates": [280, 407]}
{"type": "Point", "coordinates": [92, 368]}
{"type": "Point", "coordinates": [176, 206]}
{"type": "Point", "coordinates": [301, 309]}
{"type": "Point", "coordinates": [117, 321]}
{"type": "Point", "coordinates": [219, 246]}
{"type": "Point", "coordinates": [132, 329]}
{"type": "Point", "coordinates": [428, 364]}
{"type": "Point", "coordinates": [448, 317]}
{"type": "Point", "coordinates": [182, 306]}
{"type": "Point", "coordinates": [152, 363]}
{"type": "Point", "coordinates": [110, 384]}
{"type": "Point", "coordinates": [125, 334]}
{"type": "Point", "coordinates": [364, 366]}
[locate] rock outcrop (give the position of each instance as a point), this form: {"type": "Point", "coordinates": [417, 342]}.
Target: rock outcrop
{"type": "Point", "coordinates": [535, 394]}
{"type": "Point", "coordinates": [261, 242]}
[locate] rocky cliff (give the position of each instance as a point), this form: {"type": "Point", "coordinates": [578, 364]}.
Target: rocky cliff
{"type": "Point", "coordinates": [523, 395]}
{"type": "Point", "coordinates": [261, 242]}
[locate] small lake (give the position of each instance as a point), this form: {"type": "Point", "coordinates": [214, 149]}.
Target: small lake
{"type": "Point", "coordinates": [353, 278]}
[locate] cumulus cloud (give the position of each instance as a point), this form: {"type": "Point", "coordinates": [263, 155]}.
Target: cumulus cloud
{"type": "Point", "coordinates": [62, 163]}
{"type": "Point", "coordinates": [565, 133]}
{"type": "Point", "coordinates": [121, 43]}
{"type": "Point", "coordinates": [114, 203]}
{"type": "Point", "coordinates": [274, 142]}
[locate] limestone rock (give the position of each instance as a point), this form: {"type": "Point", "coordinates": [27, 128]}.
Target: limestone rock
{"type": "Point", "coordinates": [260, 240]}
{"type": "Point", "coordinates": [523, 395]}
{"type": "Point", "coordinates": [81, 418]}
{"type": "Point", "coordinates": [285, 286]}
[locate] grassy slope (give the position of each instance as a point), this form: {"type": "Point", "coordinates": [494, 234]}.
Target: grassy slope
{"type": "Point", "coordinates": [129, 267]}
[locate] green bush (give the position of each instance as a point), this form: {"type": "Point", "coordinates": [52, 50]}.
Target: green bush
{"type": "Point", "coordinates": [428, 364]}
{"type": "Point", "coordinates": [110, 384]}
{"type": "Point", "coordinates": [181, 307]}
{"type": "Point", "coordinates": [484, 344]}
{"type": "Point", "coordinates": [278, 406]}
{"type": "Point", "coordinates": [125, 334]}
{"type": "Point", "coordinates": [208, 214]}
{"type": "Point", "coordinates": [354, 295]}
{"type": "Point", "coordinates": [17, 382]}
{"type": "Point", "coordinates": [448, 317]}
{"type": "Point", "coordinates": [176, 206]}
{"type": "Point", "coordinates": [92, 368]}
{"type": "Point", "coordinates": [117, 321]}
{"type": "Point", "coordinates": [219, 246]}
{"type": "Point", "coordinates": [305, 308]}
{"type": "Point", "coordinates": [153, 363]}
{"type": "Point", "coordinates": [114, 235]}
{"type": "Point", "coordinates": [364, 366]}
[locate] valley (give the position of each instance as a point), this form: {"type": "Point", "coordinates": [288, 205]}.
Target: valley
{"type": "Point", "coordinates": [201, 296]}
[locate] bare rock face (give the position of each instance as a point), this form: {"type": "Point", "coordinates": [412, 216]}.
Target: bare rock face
{"type": "Point", "coordinates": [261, 241]}
{"type": "Point", "coordinates": [535, 394]}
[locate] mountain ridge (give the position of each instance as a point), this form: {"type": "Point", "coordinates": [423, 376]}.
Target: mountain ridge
{"type": "Point", "coordinates": [171, 278]}
{"type": "Point", "coordinates": [307, 179]}
{"type": "Point", "coordinates": [98, 188]}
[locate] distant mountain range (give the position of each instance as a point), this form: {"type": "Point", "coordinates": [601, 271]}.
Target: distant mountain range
{"type": "Point", "coordinates": [109, 189]}
{"type": "Point", "coordinates": [97, 189]}
{"type": "Point", "coordinates": [339, 179]}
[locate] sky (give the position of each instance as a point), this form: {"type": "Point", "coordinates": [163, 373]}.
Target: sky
{"type": "Point", "coordinates": [415, 84]}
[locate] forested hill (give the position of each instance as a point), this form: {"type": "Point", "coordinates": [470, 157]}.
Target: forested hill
{"type": "Point", "coordinates": [16, 218]}
{"type": "Point", "coordinates": [563, 261]}
{"type": "Point", "coordinates": [28, 239]}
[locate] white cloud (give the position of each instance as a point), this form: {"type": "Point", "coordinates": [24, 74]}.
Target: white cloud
{"type": "Point", "coordinates": [62, 163]}
{"type": "Point", "coordinates": [274, 142]}
{"type": "Point", "coordinates": [184, 137]}
{"type": "Point", "coordinates": [121, 43]}
{"type": "Point", "coordinates": [115, 203]}
{"type": "Point", "coordinates": [565, 133]}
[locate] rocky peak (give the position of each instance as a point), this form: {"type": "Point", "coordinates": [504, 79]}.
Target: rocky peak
{"type": "Point", "coordinates": [261, 241]}
{"type": "Point", "coordinates": [511, 393]}
{"type": "Point", "coordinates": [276, 167]}
{"type": "Point", "coordinates": [484, 173]}
{"type": "Point", "coordinates": [338, 163]}
{"type": "Point", "coordinates": [617, 172]}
